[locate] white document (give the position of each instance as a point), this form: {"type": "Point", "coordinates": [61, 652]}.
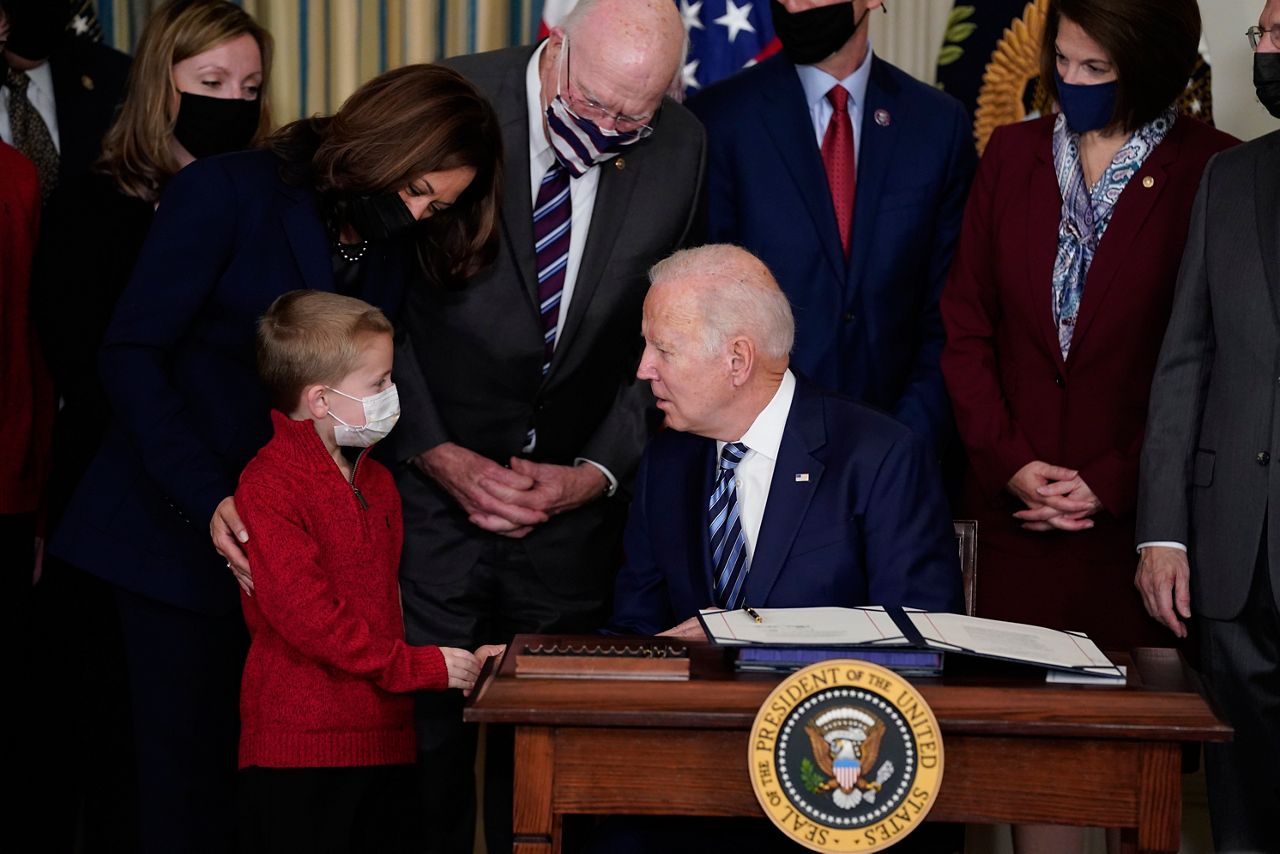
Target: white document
{"type": "Point", "coordinates": [1014, 642]}
{"type": "Point", "coordinates": [803, 627]}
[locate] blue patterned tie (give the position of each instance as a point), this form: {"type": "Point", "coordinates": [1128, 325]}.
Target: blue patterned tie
{"type": "Point", "coordinates": [552, 214]}
{"type": "Point", "coordinates": [728, 544]}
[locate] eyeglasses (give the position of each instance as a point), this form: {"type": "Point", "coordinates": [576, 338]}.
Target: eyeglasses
{"type": "Point", "coordinates": [1255, 35]}
{"type": "Point", "coordinates": [583, 106]}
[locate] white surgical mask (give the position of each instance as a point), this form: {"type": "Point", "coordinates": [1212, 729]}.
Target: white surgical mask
{"type": "Point", "coordinates": [381, 412]}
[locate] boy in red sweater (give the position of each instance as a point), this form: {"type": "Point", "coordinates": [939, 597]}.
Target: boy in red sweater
{"type": "Point", "coordinates": [327, 738]}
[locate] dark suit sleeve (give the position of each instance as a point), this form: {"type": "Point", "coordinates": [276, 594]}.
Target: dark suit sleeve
{"type": "Point", "coordinates": [189, 245]}
{"type": "Point", "coordinates": [924, 405]}
{"type": "Point", "coordinates": [1178, 391]}
{"type": "Point", "coordinates": [620, 439]}
{"type": "Point", "coordinates": [971, 312]}
{"type": "Point", "coordinates": [420, 427]}
{"type": "Point", "coordinates": [717, 209]}
{"type": "Point", "coordinates": [641, 605]}
{"type": "Point", "coordinates": [911, 556]}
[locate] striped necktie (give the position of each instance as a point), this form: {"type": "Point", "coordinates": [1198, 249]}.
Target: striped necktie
{"type": "Point", "coordinates": [728, 544]}
{"type": "Point", "coordinates": [552, 216]}
{"type": "Point", "coordinates": [30, 134]}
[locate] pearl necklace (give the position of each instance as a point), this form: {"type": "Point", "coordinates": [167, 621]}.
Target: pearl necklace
{"type": "Point", "coordinates": [354, 253]}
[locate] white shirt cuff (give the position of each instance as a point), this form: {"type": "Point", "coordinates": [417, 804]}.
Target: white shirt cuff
{"type": "Point", "coordinates": [613, 481]}
{"type": "Point", "coordinates": [1165, 544]}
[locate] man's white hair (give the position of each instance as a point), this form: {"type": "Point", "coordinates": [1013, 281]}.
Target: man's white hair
{"type": "Point", "coordinates": [735, 294]}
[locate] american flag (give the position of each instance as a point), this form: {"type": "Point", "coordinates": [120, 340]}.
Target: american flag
{"type": "Point", "coordinates": [725, 36]}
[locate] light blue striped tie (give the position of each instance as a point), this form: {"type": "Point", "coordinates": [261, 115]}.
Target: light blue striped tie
{"type": "Point", "coordinates": [729, 563]}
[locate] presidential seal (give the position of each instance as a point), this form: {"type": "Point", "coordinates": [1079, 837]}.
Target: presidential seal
{"type": "Point", "coordinates": [845, 756]}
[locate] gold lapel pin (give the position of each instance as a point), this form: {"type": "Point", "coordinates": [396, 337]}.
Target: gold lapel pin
{"type": "Point", "coordinates": [1148, 182]}
{"type": "Point", "coordinates": [86, 81]}
{"type": "Point", "coordinates": [619, 164]}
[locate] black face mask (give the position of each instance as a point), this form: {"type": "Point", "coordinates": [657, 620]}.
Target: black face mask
{"type": "Point", "coordinates": [208, 126]}
{"type": "Point", "coordinates": [814, 34]}
{"type": "Point", "coordinates": [384, 216]}
{"type": "Point", "coordinates": [36, 27]}
{"type": "Point", "coordinates": [1266, 80]}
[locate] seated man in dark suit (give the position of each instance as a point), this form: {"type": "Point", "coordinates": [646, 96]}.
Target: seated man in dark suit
{"type": "Point", "coordinates": [767, 491]}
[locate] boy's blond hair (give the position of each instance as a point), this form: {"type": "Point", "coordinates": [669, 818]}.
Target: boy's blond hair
{"type": "Point", "coordinates": [310, 337]}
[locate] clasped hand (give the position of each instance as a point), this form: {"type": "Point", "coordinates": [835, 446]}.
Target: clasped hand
{"type": "Point", "coordinates": [509, 501]}
{"type": "Point", "coordinates": [1057, 498]}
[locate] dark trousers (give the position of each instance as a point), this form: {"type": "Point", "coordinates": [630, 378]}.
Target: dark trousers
{"type": "Point", "coordinates": [1241, 668]}
{"type": "Point", "coordinates": [82, 783]}
{"type": "Point", "coordinates": [184, 676]}
{"type": "Point", "coordinates": [327, 810]}
{"type": "Point", "coordinates": [501, 596]}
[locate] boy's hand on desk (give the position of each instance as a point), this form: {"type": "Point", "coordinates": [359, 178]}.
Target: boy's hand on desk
{"type": "Point", "coordinates": [488, 651]}
{"type": "Point", "coordinates": [228, 534]}
{"type": "Point", "coordinates": [463, 667]}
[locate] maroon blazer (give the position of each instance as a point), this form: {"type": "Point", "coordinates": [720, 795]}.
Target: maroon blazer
{"type": "Point", "coordinates": [1015, 398]}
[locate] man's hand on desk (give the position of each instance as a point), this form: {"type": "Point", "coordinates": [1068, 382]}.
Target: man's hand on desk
{"type": "Point", "coordinates": [483, 489]}
{"type": "Point", "coordinates": [1164, 579]}
{"type": "Point", "coordinates": [690, 630]}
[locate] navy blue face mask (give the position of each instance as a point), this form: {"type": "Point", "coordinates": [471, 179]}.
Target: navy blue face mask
{"type": "Point", "coordinates": [1087, 107]}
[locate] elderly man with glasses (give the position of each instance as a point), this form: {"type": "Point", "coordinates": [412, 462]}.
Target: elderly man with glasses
{"type": "Point", "coordinates": [1209, 502]}
{"type": "Point", "coordinates": [522, 420]}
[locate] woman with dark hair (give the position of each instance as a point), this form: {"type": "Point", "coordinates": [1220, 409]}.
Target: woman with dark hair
{"type": "Point", "coordinates": [1055, 309]}
{"type": "Point", "coordinates": [197, 87]}
{"type": "Point", "coordinates": [402, 181]}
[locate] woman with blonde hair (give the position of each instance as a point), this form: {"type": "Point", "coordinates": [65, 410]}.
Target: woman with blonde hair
{"type": "Point", "coordinates": [197, 88]}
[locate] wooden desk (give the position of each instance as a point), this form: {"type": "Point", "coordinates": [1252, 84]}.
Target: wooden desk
{"type": "Point", "coordinates": [1017, 750]}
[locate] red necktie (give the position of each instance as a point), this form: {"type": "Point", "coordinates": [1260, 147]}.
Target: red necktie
{"type": "Point", "coordinates": [837, 158]}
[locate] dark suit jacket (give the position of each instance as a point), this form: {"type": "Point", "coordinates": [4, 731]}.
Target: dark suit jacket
{"type": "Point", "coordinates": [88, 87]}
{"type": "Point", "coordinates": [1016, 400]}
{"type": "Point", "coordinates": [178, 366]}
{"type": "Point", "coordinates": [90, 237]}
{"type": "Point", "coordinates": [480, 348]}
{"type": "Point", "coordinates": [869, 326]}
{"type": "Point", "coordinates": [1210, 463]}
{"type": "Point", "coordinates": [870, 526]}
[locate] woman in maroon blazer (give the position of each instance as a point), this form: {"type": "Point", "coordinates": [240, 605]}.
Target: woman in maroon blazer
{"type": "Point", "coordinates": [1055, 308]}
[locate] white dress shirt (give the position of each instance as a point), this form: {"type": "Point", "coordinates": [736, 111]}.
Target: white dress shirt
{"type": "Point", "coordinates": [582, 196]}
{"type": "Point", "coordinates": [582, 191]}
{"type": "Point", "coordinates": [755, 472]}
{"type": "Point", "coordinates": [817, 83]}
{"type": "Point", "coordinates": [40, 94]}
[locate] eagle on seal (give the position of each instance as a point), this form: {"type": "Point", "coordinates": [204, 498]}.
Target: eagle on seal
{"type": "Point", "coordinates": [846, 743]}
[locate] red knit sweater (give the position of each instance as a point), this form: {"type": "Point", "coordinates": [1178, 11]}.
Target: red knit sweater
{"type": "Point", "coordinates": [327, 633]}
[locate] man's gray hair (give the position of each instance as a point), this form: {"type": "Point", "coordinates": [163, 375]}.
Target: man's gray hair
{"type": "Point", "coordinates": [736, 295]}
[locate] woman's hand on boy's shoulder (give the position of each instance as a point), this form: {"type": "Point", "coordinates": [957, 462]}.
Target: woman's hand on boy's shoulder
{"type": "Point", "coordinates": [229, 535]}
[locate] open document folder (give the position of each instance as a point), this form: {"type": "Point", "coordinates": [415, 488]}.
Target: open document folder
{"type": "Point", "coordinates": [1071, 652]}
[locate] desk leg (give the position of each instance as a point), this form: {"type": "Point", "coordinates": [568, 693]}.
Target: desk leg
{"type": "Point", "coordinates": [536, 829]}
{"type": "Point", "coordinates": [1160, 797]}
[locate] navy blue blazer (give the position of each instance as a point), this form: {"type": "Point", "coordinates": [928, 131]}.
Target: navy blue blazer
{"type": "Point", "coordinates": [179, 369]}
{"type": "Point", "coordinates": [870, 525]}
{"type": "Point", "coordinates": [868, 326]}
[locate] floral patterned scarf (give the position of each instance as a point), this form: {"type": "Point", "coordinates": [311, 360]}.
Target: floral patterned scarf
{"type": "Point", "coordinates": [1086, 213]}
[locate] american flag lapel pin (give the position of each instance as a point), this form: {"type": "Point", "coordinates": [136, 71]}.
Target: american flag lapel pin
{"type": "Point", "coordinates": [802, 477]}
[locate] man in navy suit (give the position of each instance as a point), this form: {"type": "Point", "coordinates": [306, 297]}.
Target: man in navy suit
{"type": "Point", "coordinates": [853, 197]}
{"type": "Point", "coordinates": [767, 491]}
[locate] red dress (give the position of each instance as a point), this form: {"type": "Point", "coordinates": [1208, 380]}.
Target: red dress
{"type": "Point", "coordinates": [1015, 398]}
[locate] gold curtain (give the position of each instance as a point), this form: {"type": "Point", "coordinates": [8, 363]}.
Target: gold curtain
{"type": "Point", "coordinates": [326, 48]}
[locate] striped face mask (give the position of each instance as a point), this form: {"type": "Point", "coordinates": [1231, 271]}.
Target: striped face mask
{"type": "Point", "coordinates": [580, 143]}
